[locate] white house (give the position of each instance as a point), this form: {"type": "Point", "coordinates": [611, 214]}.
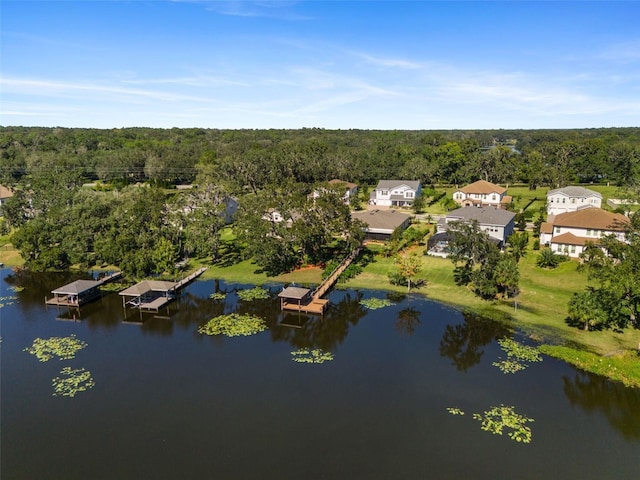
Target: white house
{"type": "Point", "coordinates": [495, 222]}
{"type": "Point", "coordinates": [569, 233]}
{"type": "Point", "coordinates": [571, 199]}
{"type": "Point", "coordinates": [395, 193]}
{"type": "Point", "coordinates": [482, 193]}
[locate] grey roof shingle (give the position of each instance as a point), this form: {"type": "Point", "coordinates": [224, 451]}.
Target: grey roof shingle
{"type": "Point", "coordinates": [573, 191]}
{"type": "Point", "coordinates": [483, 215]}
{"type": "Point", "coordinates": [391, 184]}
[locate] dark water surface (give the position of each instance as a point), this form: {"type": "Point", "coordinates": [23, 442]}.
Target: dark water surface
{"type": "Point", "coordinates": [169, 403]}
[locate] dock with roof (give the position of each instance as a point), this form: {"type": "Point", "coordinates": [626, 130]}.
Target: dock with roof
{"type": "Point", "coordinates": [152, 295]}
{"type": "Point", "coordinates": [79, 292]}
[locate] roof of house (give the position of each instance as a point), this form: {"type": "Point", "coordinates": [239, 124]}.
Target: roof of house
{"type": "Point", "coordinates": [483, 187]}
{"type": "Point", "coordinates": [571, 239]}
{"type": "Point", "coordinates": [546, 227]}
{"type": "Point", "coordinates": [592, 218]}
{"type": "Point", "coordinates": [391, 184]}
{"type": "Point", "coordinates": [5, 192]}
{"type": "Point", "coordinates": [483, 215]}
{"type": "Point", "coordinates": [575, 192]}
{"type": "Point", "coordinates": [381, 219]}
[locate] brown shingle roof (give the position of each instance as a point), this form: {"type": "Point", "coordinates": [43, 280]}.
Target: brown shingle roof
{"type": "Point", "coordinates": [483, 187]}
{"type": "Point", "coordinates": [592, 218]}
{"type": "Point", "coordinates": [546, 227]}
{"type": "Point", "coordinates": [571, 239]}
{"type": "Point", "coordinates": [5, 192]}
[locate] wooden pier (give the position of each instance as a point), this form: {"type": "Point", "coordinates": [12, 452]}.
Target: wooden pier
{"type": "Point", "coordinates": [305, 300]}
{"type": "Point", "coordinates": [152, 295]}
{"type": "Point", "coordinates": [76, 294]}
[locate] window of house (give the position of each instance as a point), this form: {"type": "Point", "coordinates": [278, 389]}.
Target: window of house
{"type": "Point", "coordinates": [573, 249]}
{"type": "Point", "coordinates": [588, 232]}
{"type": "Point", "coordinates": [557, 229]}
{"type": "Point", "coordinates": [408, 195]}
{"type": "Point", "coordinates": [385, 192]}
{"type": "Point", "coordinates": [573, 200]}
{"type": "Point", "coordinates": [564, 200]}
{"type": "Point", "coordinates": [493, 197]}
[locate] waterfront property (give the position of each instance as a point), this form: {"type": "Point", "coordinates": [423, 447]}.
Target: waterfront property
{"type": "Point", "coordinates": [495, 222]}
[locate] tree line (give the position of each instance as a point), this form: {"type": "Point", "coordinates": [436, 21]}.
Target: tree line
{"type": "Point", "coordinates": [250, 159]}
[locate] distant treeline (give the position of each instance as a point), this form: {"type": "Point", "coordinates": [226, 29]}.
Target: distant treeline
{"type": "Point", "coordinates": [247, 160]}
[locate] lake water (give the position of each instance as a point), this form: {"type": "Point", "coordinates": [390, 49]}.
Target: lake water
{"type": "Point", "coordinates": [169, 403]}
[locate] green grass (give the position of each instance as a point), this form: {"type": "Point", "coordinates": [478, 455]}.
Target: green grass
{"type": "Point", "coordinates": [623, 366]}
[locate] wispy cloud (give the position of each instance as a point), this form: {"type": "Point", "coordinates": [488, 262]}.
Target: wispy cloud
{"type": "Point", "coordinates": [50, 87]}
{"type": "Point", "coordinates": [276, 9]}
{"type": "Point", "coordinates": [389, 62]}
{"type": "Point", "coordinates": [626, 52]}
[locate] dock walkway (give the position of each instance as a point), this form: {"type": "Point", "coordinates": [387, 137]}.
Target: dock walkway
{"type": "Point", "coordinates": [308, 301]}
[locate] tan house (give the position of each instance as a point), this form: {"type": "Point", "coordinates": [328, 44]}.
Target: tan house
{"type": "Point", "coordinates": [482, 194]}
{"type": "Point", "coordinates": [569, 233]}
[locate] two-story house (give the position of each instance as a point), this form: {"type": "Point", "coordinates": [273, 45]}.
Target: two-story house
{"type": "Point", "coordinates": [571, 199]}
{"type": "Point", "coordinates": [569, 233]}
{"type": "Point", "coordinates": [495, 222]}
{"type": "Point", "coordinates": [395, 193]}
{"type": "Point", "coordinates": [481, 194]}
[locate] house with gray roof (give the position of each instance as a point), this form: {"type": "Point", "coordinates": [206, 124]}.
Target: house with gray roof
{"type": "Point", "coordinates": [496, 222]}
{"type": "Point", "coordinates": [380, 224]}
{"type": "Point", "coordinates": [571, 199]}
{"type": "Point", "coordinates": [395, 193]}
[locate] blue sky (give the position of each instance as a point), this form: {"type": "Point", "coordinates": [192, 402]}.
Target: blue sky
{"type": "Point", "coordinates": [331, 64]}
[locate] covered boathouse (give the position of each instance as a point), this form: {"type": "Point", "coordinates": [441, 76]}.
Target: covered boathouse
{"type": "Point", "coordinates": [149, 295]}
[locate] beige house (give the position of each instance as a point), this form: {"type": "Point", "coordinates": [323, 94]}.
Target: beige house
{"type": "Point", "coordinates": [482, 194]}
{"type": "Point", "coordinates": [569, 233]}
{"type": "Point", "coordinates": [380, 224]}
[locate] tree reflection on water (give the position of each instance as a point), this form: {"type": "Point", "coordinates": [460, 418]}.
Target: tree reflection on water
{"type": "Point", "coordinates": [462, 342]}
{"type": "Point", "coordinates": [620, 405]}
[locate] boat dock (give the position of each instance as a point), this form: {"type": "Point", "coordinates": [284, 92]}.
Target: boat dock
{"type": "Point", "coordinates": [76, 294]}
{"type": "Point", "coordinates": [305, 300]}
{"type": "Point", "coordinates": [152, 295]}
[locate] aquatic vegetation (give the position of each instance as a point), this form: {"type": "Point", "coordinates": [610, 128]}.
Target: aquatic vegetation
{"type": "Point", "coordinates": [218, 296]}
{"type": "Point", "coordinates": [7, 300]}
{"type": "Point", "coordinates": [509, 366]}
{"type": "Point", "coordinates": [256, 293]}
{"type": "Point", "coordinates": [519, 351]}
{"type": "Point", "coordinates": [74, 381]}
{"type": "Point", "coordinates": [305, 355]}
{"type": "Point", "coordinates": [375, 303]}
{"type": "Point", "coordinates": [503, 417]}
{"type": "Point", "coordinates": [63, 347]}
{"type": "Point", "coordinates": [455, 411]}
{"type": "Point", "coordinates": [16, 289]}
{"type": "Point", "coordinates": [517, 355]}
{"type": "Point", "coordinates": [233, 325]}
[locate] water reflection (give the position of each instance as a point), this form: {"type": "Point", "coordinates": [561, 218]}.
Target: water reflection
{"type": "Point", "coordinates": [462, 342]}
{"type": "Point", "coordinates": [617, 403]}
{"type": "Point", "coordinates": [408, 320]}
